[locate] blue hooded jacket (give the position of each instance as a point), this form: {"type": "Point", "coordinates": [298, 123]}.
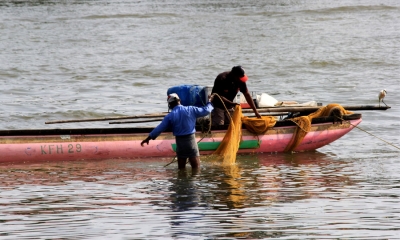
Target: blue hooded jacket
{"type": "Point", "coordinates": [182, 120]}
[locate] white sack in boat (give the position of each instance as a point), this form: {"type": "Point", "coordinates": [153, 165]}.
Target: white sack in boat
{"type": "Point", "coordinates": [265, 100]}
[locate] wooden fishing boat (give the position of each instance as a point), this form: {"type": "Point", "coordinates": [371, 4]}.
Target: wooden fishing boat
{"type": "Point", "coordinates": [109, 143]}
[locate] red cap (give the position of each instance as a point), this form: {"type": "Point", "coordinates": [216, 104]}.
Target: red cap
{"type": "Point", "coordinates": [239, 71]}
{"type": "Point", "coordinates": [244, 78]}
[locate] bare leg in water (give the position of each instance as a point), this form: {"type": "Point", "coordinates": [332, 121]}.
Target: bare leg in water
{"type": "Point", "coordinates": [194, 162]}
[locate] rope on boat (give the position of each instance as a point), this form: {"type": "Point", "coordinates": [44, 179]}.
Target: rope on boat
{"type": "Point", "coordinates": [173, 160]}
{"type": "Point", "coordinates": [335, 115]}
{"type": "Point", "coordinates": [370, 133]}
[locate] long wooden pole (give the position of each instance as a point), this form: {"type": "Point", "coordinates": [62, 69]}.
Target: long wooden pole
{"type": "Point", "coordinates": [109, 118]}
{"type": "Point", "coordinates": [260, 110]}
{"type": "Point", "coordinates": [313, 109]}
{"type": "Point", "coordinates": [134, 121]}
{"type": "Point", "coordinates": [160, 119]}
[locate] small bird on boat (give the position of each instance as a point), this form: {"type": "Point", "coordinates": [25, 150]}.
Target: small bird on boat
{"type": "Point", "coordinates": [381, 96]}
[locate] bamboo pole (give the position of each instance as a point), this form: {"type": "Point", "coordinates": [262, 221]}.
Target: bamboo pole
{"type": "Point", "coordinates": [160, 119]}
{"type": "Point", "coordinates": [109, 118]}
{"type": "Point", "coordinates": [313, 109]}
{"type": "Point", "coordinates": [260, 110]}
{"type": "Point", "coordinates": [140, 121]}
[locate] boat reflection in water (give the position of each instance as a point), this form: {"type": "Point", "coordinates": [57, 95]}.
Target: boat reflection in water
{"type": "Point", "coordinates": [229, 196]}
{"type": "Point", "coordinates": [212, 200]}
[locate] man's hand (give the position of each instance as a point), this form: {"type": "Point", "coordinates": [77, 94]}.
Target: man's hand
{"type": "Point", "coordinates": [211, 97]}
{"type": "Point", "coordinates": [145, 141]}
{"type": "Point", "coordinates": [258, 115]}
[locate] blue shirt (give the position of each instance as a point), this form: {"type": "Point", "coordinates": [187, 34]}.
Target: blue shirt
{"type": "Point", "coordinates": [182, 120]}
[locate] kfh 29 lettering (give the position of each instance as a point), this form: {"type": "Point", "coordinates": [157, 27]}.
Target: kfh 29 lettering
{"type": "Point", "coordinates": [61, 148]}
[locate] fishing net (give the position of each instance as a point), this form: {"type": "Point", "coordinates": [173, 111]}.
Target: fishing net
{"type": "Point", "coordinates": [235, 190]}
{"type": "Point", "coordinates": [229, 146]}
{"type": "Point", "coordinates": [227, 150]}
{"type": "Point", "coordinates": [304, 122]}
{"type": "Point", "coordinates": [258, 125]}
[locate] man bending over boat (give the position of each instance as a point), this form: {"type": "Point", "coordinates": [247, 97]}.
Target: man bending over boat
{"type": "Point", "coordinates": [227, 85]}
{"type": "Point", "coordinates": [182, 121]}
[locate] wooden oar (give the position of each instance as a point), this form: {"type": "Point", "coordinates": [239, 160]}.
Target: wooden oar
{"type": "Point", "coordinates": [313, 109]}
{"type": "Point", "coordinates": [140, 121]}
{"type": "Point", "coordinates": [251, 114]}
{"type": "Point", "coordinates": [109, 118]}
{"type": "Point", "coordinates": [160, 119]}
{"type": "Point", "coordinates": [260, 110]}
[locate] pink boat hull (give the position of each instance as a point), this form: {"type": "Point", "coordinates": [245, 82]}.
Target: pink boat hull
{"type": "Point", "coordinates": [110, 146]}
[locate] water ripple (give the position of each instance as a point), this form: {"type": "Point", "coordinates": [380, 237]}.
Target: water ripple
{"type": "Point", "coordinates": [90, 59]}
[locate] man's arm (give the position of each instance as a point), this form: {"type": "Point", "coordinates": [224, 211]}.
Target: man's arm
{"type": "Point", "coordinates": [157, 131]}
{"type": "Point", "coordinates": [250, 101]}
{"type": "Point", "coordinates": [203, 111]}
{"type": "Point", "coordinates": [147, 140]}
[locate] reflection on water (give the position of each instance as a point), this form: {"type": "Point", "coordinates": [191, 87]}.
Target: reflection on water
{"type": "Point", "coordinates": [92, 59]}
{"type": "Point", "coordinates": [278, 195]}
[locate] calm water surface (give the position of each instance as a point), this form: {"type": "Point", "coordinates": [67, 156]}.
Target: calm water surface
{"type": "Point", "coordinates": [288, 196]}
{"type": "Point", "coordinates": [82, 59]}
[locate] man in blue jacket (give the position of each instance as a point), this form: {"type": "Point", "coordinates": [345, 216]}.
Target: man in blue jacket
{"type": "Point", "coordinates": [182, 121]}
